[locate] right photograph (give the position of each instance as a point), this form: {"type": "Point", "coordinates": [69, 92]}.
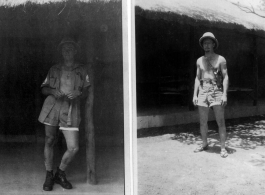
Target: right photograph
{"type": "Point", "coordinates": [200, 83]}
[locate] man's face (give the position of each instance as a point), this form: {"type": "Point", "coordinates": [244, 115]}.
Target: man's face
{"type": "Point", "coordinates": [208, 44]}
{"type": "Point", "coordinates": [68, 51]}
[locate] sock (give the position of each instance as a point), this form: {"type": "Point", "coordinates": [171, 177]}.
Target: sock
{"type": "Point", "coordinates": [48, 166]}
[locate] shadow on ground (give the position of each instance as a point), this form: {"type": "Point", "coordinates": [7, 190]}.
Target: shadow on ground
{"type": "Point", "coordinates": [246, 133]}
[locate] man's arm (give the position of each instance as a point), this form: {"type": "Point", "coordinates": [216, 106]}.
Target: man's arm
{"type": "Point", "coordinates": [46, 89]}
{"type": "Point", "coordinates": [196, 85]}
{"type": "Point", "coordinates": [225, 76]}
{"type": "Point", "coordinates": [78, 93]}
{"type": "Point", "coordinates": [49, 91]}
{"type": "Point", "coordinates": [225, 81]}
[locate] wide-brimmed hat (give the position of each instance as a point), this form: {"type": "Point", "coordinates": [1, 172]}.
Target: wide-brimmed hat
{"type": "Point", "coordinates": [211, 36]}
{"type": "Point", "coordinates": [67, 40]}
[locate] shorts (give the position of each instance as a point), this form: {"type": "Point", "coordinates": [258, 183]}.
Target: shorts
{"type": "Point", "coordinates": [209, 94]}
{"type": "Point", "coordinates": [61, 112]}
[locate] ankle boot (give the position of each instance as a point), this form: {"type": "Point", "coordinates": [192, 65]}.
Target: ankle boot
{"type": "Point", "coordinates": [60, 178]}
{"type": "Point", "coordinates": [49, 182]}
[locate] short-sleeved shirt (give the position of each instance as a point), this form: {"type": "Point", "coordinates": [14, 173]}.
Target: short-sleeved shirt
{"type": "Point", "coordinates": [54, 110]}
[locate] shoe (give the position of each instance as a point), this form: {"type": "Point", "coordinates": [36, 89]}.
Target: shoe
{"type": "Point", "coordinates": [60, 178]}
{"type": "Point", "coordinates": [223, 153]}
{"type": "Point", "coordinates": [201, 148]}
{"type": "Point", "coordinates": [49, 181]}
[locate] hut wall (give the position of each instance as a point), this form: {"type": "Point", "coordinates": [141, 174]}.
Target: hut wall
{"type": "Point", "coordinates": [261, 67]}
{"type": "Point", "coordinates": [29, 37]}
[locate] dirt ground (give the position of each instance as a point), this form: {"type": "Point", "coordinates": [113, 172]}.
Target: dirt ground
{"type": "Point", "coordinates": [167, 164]}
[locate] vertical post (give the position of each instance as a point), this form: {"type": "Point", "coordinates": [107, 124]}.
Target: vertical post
{"type": "Point", "coordinates": [191, 68]}
{"type": "Point", "coordinates": [256, 75]}
{"type": "Point", "coordinates": [129, 94]}
{"type": "Point", "coordinates": [89, 129]}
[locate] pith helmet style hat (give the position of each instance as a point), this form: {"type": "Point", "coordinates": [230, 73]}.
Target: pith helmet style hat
{"type": "Point", "coordinates": [68, 40]}
{"type": "Point", "coordinates": [211, 36]}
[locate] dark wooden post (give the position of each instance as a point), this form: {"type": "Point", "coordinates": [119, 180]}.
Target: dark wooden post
{"type": "Point", "coordinates": [89, 129]}
{"type": "Point", "coordinates": [256, 70]}
{"type": "Point", "coordinates": [191, 68]}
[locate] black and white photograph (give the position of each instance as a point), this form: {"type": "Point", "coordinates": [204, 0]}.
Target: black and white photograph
{"type": "Point", "coordinates": [134, 97]}
{"type": "Point", "coordinates": [61, 105]}
{"type": "Point", "coordinates": [200, 89]}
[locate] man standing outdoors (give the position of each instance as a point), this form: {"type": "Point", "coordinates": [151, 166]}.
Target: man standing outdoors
{"type": "Point", "coordinates": [210, 90]}
{"type": "Point", "coordinates": [64, 85]}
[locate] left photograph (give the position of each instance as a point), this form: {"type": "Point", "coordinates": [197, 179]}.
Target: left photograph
{"type": "Point", "coordinates": [61, 100]}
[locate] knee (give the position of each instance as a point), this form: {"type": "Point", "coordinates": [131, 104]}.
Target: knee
{"type": "Point", "coordinates": [73, 149]}
{"type": "Point", "coordinates": [49, 140]}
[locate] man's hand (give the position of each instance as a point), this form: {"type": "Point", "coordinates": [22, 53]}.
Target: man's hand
{"type": "Point", "coordinates": [195, 100]}
{"type": "Point", "coordinates": [57, 93]}
{"type": "Point", "coordinates": [224, 100]}
{"type": "Point", "coordinates": [73, 94]}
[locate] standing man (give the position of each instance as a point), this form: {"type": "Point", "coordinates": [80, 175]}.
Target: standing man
{"type": "Point", "coordinates": [64, 85]}
{"type": "Point", "coordinates": [210, 90]}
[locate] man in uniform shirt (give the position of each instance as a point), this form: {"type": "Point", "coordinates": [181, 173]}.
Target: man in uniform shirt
{"type": "Point", "coordinates": [64, 85]}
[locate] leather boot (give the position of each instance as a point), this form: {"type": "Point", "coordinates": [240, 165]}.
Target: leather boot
{"type": "Point", "coordinates": [49, 182]}
{"type": "Point", "coordinates": [60, 178]}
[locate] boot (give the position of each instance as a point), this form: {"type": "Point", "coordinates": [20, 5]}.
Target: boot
{"type": "Point", "coordinates": [60, 178]}
{"type": "Point", "coordinates": [49, 181]}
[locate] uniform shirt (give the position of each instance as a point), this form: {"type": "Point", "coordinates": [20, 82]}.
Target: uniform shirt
{"type": "Point", "coordinates": [79, 79]}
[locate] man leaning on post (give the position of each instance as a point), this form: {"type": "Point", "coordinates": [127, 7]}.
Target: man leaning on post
{"type": "Point", "coordinates": [64, 86]}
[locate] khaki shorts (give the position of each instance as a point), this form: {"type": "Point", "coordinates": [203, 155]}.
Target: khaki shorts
{"type": "Point", "coordinates": [60, 115]}
{"type": "Point", "coordinates": [209, 94]}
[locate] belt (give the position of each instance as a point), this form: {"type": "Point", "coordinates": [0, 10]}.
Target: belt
{"type": "Point", "coordinates": [69, 120]}
{"type": "Point", "coordinates": [69, 115]}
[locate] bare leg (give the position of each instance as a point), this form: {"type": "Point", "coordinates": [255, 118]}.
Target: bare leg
{"type": "Point", "coordinates": [203, 113]}
{"type": "Point", "coordinates": [72, 142]}
{"type": "Point", "coordinates": [219, 115]}
{"type": "Point", "coordinates": [50, 135]}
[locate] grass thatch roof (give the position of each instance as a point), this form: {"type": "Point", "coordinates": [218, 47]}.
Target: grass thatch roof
{"type": "Point", "coordinates": [11, 3]}
{"type": "Point", "coordinates": [210, 10]}
{"type": "Point", "coordinates": [49, 19]}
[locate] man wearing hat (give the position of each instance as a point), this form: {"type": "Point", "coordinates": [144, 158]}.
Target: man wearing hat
{"type": "Point", "coordinates": [210, 90]}
{"type": "Point", "coordinates": [64, 85]}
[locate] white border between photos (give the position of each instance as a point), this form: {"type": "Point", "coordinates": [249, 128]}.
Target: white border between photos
{"type": "Point", "coordinates": [129, 87]}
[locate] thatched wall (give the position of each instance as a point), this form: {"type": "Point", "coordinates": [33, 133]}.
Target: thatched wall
{"type": "Point", "coordinates": [29, 37]}
{"type": "Point", "coordinates": [166, 44]}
